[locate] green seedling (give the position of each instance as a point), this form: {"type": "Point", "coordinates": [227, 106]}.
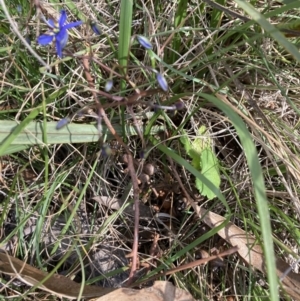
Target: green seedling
{"type": "Point", "coordinates": [203, 159]}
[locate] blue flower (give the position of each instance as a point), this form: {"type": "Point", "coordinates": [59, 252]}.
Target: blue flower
{"type": "Point", "coordinates": [59, 32]}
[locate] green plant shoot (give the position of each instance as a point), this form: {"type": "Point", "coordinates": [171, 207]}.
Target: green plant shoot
{"type": "Point", "coordinates": [204, 160]}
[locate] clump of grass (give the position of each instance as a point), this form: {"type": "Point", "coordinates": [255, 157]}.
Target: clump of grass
{"type": "Point", "coordinates": [226, 72]}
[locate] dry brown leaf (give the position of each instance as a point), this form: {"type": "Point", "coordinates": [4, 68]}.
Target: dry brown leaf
{"type": "Point", "coordinates": [250, 251]}
{"type": "Point", "coordinates": [57, 284]}
{"type": "Point", "coordinates": [160, 291]}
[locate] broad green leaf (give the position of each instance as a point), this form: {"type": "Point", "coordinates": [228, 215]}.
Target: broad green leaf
{"type": "Point", "coordinates": [32, 133]}
{"type": "Point", "coordinates": [210, 169]}
{"type": "Point", "coordinates": [204, 160]}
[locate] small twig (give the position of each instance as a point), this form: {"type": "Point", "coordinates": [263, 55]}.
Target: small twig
{"type": "Point", "coordinates": [134, 252]}
{"type": "Point", "coordinates": [135, 185]}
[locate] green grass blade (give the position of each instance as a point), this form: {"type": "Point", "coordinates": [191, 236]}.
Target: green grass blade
{"type": "Point", "coordinates": [125, 33]}
{"type": "Point", "coordinates": [216, 15]}
{"type": "Point", "coordinates": [259, 191]}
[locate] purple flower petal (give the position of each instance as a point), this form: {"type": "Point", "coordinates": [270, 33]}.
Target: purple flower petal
{"type": "Point", "coordinates": [62, 18]}
{"type": "Point", "coordinates": [162, 81]}
{"type": "Point", "coordinates": [155, 108]}
{"type": "Point", "coordinates": [72, 24]}
{"type": "Point", "coordinates": [62, 36]}
{"type": "Point", "coordinates": [45, 39]}
{"type": "Point", "coordinates": [144, 42]}
{"type": "Point", "coordinates": [58, 49]}
{"type": "Point", "coordinates": [51, 23]}
{"type": "Point", "coordinates": [142, 154]}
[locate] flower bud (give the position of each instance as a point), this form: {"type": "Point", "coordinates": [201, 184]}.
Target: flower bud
{"type": "Point", "coordinates": [162, 81]}
{"type": "Point", "coordinates": [144, 42]}
{"type": "Point", "coordinates": [96, 28]}
{"type": "Point", "coordinates": [61, 123]}
{"type": "Point", "coordinates": [179, 105]}
{"type": "Point", "coordinates": [108, 86]}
